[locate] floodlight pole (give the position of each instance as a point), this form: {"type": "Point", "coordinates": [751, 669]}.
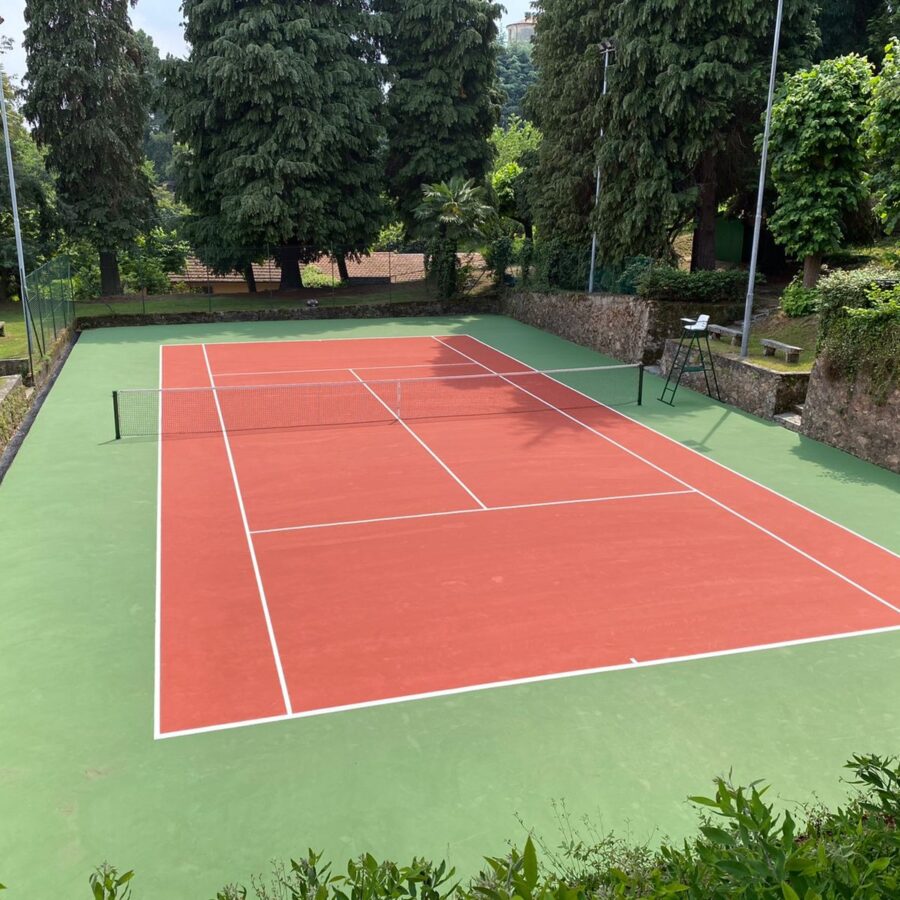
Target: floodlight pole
{"type": "Point", "coordinates": [17, 225]}
{"type": "Point", "coordinates": [760, 200]}
{"type": "Point", "coordinates": [608, 50]}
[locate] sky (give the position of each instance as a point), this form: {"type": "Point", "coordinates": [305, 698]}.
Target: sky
{"type": "Point", "coordinates": [159, 18]}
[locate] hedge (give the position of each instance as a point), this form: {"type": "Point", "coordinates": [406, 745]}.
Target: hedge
{"type": "Point", "coordinates": [667, 284]}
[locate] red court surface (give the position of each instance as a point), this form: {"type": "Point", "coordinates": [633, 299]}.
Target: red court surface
{"type": "Point", "coordinates": [313, 569]}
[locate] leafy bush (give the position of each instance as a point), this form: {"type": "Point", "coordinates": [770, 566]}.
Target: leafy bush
{"type": "Point", "coordinates": [499, 257]}
{"type": "Point", "coordinates": [850, 289]}
{"type": "Point", "coordinates": [665, 283]}
{"type": "Point", "coordinates": [863, 334]}
{"type": "Point", "coordinates": [562, 265]}
{"type": "Point", "coordinates": [744, 848]}
{"type": "Point", "coordinates": [526, 260]}
{"type": "Point", "coordinates": [798, 301]}
{"type": "Point", "coordinates": [314, 277]}
{"type": "Point", "coordinates": [394, 239]}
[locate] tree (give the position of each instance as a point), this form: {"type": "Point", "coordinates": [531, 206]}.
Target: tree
{"type": "Point", "coordinates": [818, 159]}
{"type": "Point", "coordinates": [448, 214]}
{"type": "Point", "coordinates": [86, 97]}
{"type": "Point", "coordinates": [278, 104]}
{"type": "Point", "coordinates": [516, 148]}
{"type": "Point", "coordinates": [844, 25]}
{"type": "Point", "coordinates": [38, 212]}
{"type": "Point", "coordinates": [159, 142]}
{"type": "Point", "coordinates": [687, 88]}
{"type": "Point", "coordinates": [516, 74]}
{"type": "Point", "coordinates": [883, 135]}
{"type": "Point", "coordinates": [884, 26]}
{"type": "Point", "coordinates": [443, 101]}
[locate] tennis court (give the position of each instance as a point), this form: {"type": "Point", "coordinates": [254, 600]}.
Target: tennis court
{"type": "Point", "coordinates": [352, 523]}
{"type": "Point", "coordinates": [450, 606]}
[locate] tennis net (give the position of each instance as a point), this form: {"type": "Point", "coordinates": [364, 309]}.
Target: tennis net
{"type": "Point", "coordinates": [207, 410]}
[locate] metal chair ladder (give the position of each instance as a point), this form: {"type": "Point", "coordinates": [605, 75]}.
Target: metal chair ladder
{"type": "Point", "coordinates": [694, 345]}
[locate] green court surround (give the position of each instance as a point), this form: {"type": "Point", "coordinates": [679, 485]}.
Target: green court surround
{"type": "Point", "coordinates": [82, 781]}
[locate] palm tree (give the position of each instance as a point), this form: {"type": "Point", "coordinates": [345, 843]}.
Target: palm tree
{"type": "Point", "coordinates": [451, 212]}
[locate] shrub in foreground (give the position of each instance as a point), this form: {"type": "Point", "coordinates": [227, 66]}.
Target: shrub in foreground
{"type": "Point", "coordinates": [744, 848]}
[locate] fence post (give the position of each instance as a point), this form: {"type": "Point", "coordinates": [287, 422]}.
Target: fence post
{"type": "Point", "coordinates": [641, 369]}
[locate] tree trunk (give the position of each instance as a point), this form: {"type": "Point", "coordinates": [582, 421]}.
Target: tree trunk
{"type": "Point", "coordinates": [812, 270]}
{"type": "Point", "coordinates": [289, 260]}
{"type": "Point", "coordinates": [703, 257]}
{"type": "Point", "coordinates": [110, 281]}
{"type": "Point", "coordinates": [250, 277]}
{"type": "Point", "coordinates": [342, 267]}
{"type": "Point", "coordinates": [529, 230]}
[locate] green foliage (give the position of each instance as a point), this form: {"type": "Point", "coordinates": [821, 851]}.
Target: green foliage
{"type": "Point", "coordinates": [526, 260]}
{"type": "Point", "coordinates": [108, 884]}
{"type": "Point", "coordinates": [883, 134]}
{"type": "Point", "coordinates": [449, 214]}
{"type": "Point", "coordinates": [560, 264]}
{"type": "Point", "coordinates": [664, 283]}
{"type": "Point", "coordinates": [86, 97]}
{"type": "Point", "coordinates": [818, 161]}
{"type": "Point", "coordinates": [314, 277]}
{"type": "Point", "coordinates": [499, 257]}
{"type": "Point", "coordinates": [845, 26]}
{"type": "Point", "coordinates": [443, 103]}
{"type": "Point", "coordinates": [798, 301]}
{"type": "Point", "coordinates": [146, 265]}
{"type": "Point", "coordinates": [511, 142]}
{"type": "Point", "coordinates": [883, 26]}
{"type": "Point", "coordinates": [686, 92]}
{"type": "Point", "coordinates": [516, 74]}
{"type": "Point", "coordinates": [159, 141]}
{"type": "Point", "coordinates": [282, 129]}
{"type": "Point", "coordinates": [860, 328]}
{"type": "Point", "coordinates": [38, 211]}
{"type": "Point", "coordinates": [745, 848]}
{"type": "Point", "coordinates": [456, 210]}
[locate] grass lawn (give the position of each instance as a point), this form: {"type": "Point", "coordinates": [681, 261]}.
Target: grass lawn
{"type": "Point", "coordinates": [15, 344]}
{"type": "Point", "coordinates": [802, 332]}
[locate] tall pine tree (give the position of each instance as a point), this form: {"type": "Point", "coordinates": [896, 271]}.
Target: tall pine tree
{"type": "Point", "coordinates": [86, 96]}
{"type": "Point", "coordinates": [686, 93]}
{"type": "Point", "coordinates": [443, 103]}
{"type": "Point", "coordinates": [279, 105]}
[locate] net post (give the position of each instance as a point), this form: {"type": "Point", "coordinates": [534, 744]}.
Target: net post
{"type": "Point", "coordinates": [641, 369]}
{"type": "Point", "coordinates": [116, 417]}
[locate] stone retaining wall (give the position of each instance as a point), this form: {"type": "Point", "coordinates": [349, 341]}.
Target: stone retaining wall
{"type": "Point", "coordinates": [13, 367]}
{"type": "Point", "coordinates": [762, 392]}
{"type": "Point", "coordinates": [847, 416]}
{"type": "Point", "coordinates": [422, 309]}
{"type": "Point", "coordinates": [627, 328]}
{"type": "Point", "coordinates": [13, 407]}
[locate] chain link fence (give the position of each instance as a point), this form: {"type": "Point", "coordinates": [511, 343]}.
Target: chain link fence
{"type": "Point", "coordinates": [51, 308]}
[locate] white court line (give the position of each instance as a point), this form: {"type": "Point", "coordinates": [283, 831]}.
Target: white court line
{"type": "Point", "coordinates": [256, 571]}
{"type": "Point", "coordinates": [367, 368]}
{"type": "Point", "coordinates": [681, 481]}
{"type": "Point", "coordinates": [328, 340]}
{"type": "Point", "coordinates": [469, 512]}
{"type": "Point", "coordinates": [538, 679]}
{"type": "Point", "coordinates": [157, 637]}
{"type": "Point", "coordinates": [431, 452]}
{"type": "Point", "coordinates": [677, 443]}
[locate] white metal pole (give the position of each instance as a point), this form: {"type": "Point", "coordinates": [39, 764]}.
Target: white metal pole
{"type": "Point", "coordinates": [606, 53]}
{"type": "Point", "coordinates": [757, 227]}
{"type": "Point", "coordinates": [17, 225]}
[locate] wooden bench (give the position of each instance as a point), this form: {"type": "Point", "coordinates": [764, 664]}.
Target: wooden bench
{"type": "Point", "coordinates": [720, 331]}
{"type": "Point", "coordinates": [791, 354]}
